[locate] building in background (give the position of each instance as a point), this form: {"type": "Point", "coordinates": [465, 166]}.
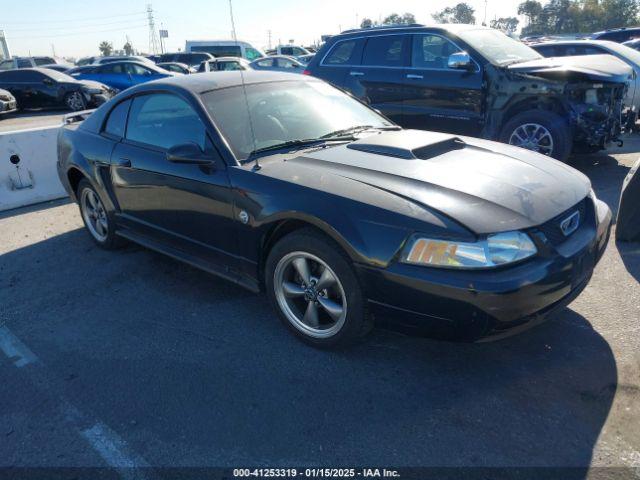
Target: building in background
{"type": "Point", "coordinates": [4, 47]}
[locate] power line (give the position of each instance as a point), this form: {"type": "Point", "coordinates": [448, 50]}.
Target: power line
{"type": "Point", "coordinates": [122, 23]}
{"type": "Point", "coordinates": [81, 33]}
{"type": "Point", "coordinates": [67, 20]}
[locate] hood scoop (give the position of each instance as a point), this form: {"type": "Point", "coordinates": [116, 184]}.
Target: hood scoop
{"type": "Point", "coordinates": [408, 144]}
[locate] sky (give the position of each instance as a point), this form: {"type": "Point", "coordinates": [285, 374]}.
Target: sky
{"type": "Point", "coordinates": [74, 28]}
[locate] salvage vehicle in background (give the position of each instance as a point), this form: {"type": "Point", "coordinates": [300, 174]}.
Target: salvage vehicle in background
{"type": "Point", "coordinates": [478, 81]}
{"type": "Point", "coordinates": [224, 63]}
{"type": "Point", "coordinates": [289, 51]}
{"type": "Point", "coordinates": [283, 183]}
{"type": "Point", "coordinates": [628, 55]}
{"type": "Point", "coordinates": [280, 63]}
{"type": "Point", "coordinates": [193, 59]}
{"type": "Point", "coordinates": [121, 75]}
{"type": "Point", "coordinates": [224, 48]}
{"type": "Point", "coordinates": [8, 102]}
{"type": "Point", "coordinates": [618, 35]}
{"type": "Point", "coordinates": [26, 62]}
{"type": "Point", "coordinates": [176, 67]}
{"type": "Point", "coordinates": [45, 88]}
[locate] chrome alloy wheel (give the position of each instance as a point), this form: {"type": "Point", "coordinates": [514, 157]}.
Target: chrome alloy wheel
{"type": "Point", "coordinates": [310, 294]}
{"type": "Point", "coordinates": [533, 136]}
{"type": "Point", "coordinates": [94, 214]}
{"type": "Point", "coordinates": [75, 101]}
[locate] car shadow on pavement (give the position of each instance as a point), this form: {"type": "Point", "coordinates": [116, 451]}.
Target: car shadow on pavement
{"type": "Point", "coordinates": [630, 253]}
{"type": "Point", "coordinates": [606, 176]}
{"type": "Point", "coordinates": [193, 370]}
{"type": "Point", "coordinates": [34, 208]}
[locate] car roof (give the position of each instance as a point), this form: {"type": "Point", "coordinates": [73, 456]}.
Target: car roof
{"type": "Point", "coordinates": [198, 83]}
{"type": "Point", "coordinates": [415, 27]}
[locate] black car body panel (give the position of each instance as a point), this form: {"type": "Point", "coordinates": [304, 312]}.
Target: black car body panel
{"type": "Point", "coordinates": [369, 196]}
{"type": "Point", "coordinates": [477, 101]}
{"type": "Point", "coordinates": [43, 88]}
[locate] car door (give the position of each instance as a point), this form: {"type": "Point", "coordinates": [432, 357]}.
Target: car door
{"type": "Point", "coordinates": [380, 80]}
{"type": "Point", "coordinates": [185, 206]}
{"type": "Point", "coordinates": [338, 61]}
{"type": "Point", "coordinates": [439, 97]}
{"type": "Point", "coordinates": [27, 85]}
{"type": "Point", "coordinates": [141, 74]}
{"type": "Point", "coordinates": [111, 74]}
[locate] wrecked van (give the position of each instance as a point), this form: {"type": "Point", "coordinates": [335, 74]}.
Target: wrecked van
{"type": "Point", "coordinates": [477, 81]}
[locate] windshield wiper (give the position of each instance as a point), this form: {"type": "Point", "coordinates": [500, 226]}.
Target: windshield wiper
{"type": "Point", "coordinates": [302, 143]}
{"type": "Point", "coordinates": [358, 129]}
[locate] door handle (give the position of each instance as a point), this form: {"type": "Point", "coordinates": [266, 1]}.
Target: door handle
{"type": "Point", "coordinates": [356, 74]}
{"type": "Point", "coordinates": [123, 162]}
{"type": "Point", "coordinates": [415, 77]}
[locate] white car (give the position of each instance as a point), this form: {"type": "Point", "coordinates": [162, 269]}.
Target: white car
{"type": "Point", "coordinates": [630, 56]}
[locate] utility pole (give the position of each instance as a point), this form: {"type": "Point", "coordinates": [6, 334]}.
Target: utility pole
{"type": "Point", "coordinates": [484, 22]}
{"type": "Point", "coordinates": [53, 50]}
{"type": "Point", "coordinates": [153, 37]}
{"type": "Point", "coordinates": [269, 34]}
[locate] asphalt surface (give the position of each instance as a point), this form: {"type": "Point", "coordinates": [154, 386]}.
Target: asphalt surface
{"type": "Point", "coordinates": [129, 358]}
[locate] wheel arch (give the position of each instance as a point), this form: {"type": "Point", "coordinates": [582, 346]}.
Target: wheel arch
{"type": "Point", "coordinates": [278, 229]}
{"type": "Point", "coordinates": [520, 105]}
{"type": "Point", "coordinates": [75, 176]}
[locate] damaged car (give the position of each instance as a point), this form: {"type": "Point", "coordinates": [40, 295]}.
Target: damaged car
{"type": "Point", "coordinates": [477, 81]}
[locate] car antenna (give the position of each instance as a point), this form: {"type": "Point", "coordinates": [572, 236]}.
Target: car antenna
{"type": "Point", "coordinates": [244, 88]}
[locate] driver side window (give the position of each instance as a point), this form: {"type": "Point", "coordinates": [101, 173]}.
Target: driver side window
{"type": "Point", "coordinates": [431, 51]}
{"type": "Point", "coordinates": [164, 120]}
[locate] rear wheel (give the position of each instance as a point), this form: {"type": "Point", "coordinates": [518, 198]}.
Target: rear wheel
{"type": "Point", "coordinates": [98, 221]}
{"type": "Point", "coordinates": [75, 101]}
{"type": "Point", "coordinates": [542, 131]}
{"type": "Point", "coordinates": [315, 291]}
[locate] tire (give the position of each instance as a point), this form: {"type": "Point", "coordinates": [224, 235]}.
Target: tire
{"type": "Point", "coordinates": [75, 101]}
{"type": "Point", "coordinates": [540, 130]}
{"type": "Point", "coordinates": [99, 222]}
{"type": "Point", "coordinates": [340, 312]}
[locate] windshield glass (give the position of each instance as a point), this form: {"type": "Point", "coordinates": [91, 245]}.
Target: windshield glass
{"type": "Point", "coordinates": [497, 47]}
{"type": "Point", "coordinates": [59, 76]}
{"type": "Point", "coordinates": [283, 112]}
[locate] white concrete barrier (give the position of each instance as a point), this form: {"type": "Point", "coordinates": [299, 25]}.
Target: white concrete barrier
{"type": "Point", "coordinates": [28, 172]}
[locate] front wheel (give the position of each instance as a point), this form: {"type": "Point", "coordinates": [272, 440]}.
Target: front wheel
{"type": "Point", "coordinates": [542, 131]}
{"type": "Point", "coordinates": [75, 101]}
{"type": "Point", "coordinates": [314, 289]}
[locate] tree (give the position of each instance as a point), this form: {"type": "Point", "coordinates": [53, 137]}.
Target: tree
{"type": "Point", "coordinates": [461, 13]}
{"type": "Point", "coordinates": [106, 48]}
{"type": "Point", "coordinates": [395, 19]}
{"type": "Point", "coordinates": [366, 23]}
{"type": "Point", "coordinates": [128, 49]}
{"type": "Point", "coordinates": [506, 24]}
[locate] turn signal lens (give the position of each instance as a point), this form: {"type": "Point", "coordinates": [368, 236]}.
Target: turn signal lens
{"type": "Point", "coordinates": [495, 250]}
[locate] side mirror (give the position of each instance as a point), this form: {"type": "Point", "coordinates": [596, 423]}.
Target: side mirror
{"type": "Point", "coordinates": [190, 154]}
{"type": "Point", "coordinates": [460, 61]}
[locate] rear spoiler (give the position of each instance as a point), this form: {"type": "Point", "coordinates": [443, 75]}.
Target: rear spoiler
{"type": "Point", "coordinates": [76, 117]}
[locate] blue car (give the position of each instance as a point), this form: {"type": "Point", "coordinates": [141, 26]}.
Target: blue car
{"type": "Point", "coordinates": [121, 75]}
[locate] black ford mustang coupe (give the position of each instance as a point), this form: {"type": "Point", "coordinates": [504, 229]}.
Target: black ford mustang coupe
{"type": "Point", "coordinates": [283, 183]}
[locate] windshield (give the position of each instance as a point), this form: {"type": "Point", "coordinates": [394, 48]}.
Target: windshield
{"type": "Point", "coordinates": [497, 47]}
{"type": "Point", "coordinates": [284, 112]}
{"type": "Point", "coordinates": [59, 76]}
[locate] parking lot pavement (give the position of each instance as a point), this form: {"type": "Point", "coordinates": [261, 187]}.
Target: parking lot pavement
{"type": "Point", "coordinates": [130, 358]}
{"type": "Point", "coordinates": [31, 119]}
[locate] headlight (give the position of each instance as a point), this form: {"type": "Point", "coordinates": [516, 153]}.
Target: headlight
{"type": "Point", "coordinates": [495, 250]}
{"type": "Point", "coordinates": [4, 98]}
{"type": "Point", "coordinates": [93, 91]}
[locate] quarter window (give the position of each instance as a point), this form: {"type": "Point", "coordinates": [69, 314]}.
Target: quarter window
{"type": "Point", "coordinates": [431, 51]}
{"type": "Point", "coordinates": [385, 51]}
{"type": "Point", "coordinates": [341, 53]}
{"type": "Point", "coordinates": [164, 121]}
{"type": "Point", "coordinates": [117, 119]}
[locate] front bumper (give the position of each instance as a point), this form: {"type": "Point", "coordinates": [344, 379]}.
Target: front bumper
{"type": "Point", "coordinates": [475, 305]}
{"type": "Point", "coordinates": [8, 106]}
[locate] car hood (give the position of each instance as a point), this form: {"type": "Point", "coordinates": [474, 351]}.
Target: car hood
{"type": "Point", "coordinates": [601, 68]}
{"type": "Point", "coordinates": [93, 84]}
{"type": "Point", "coordinates": [486, 186]}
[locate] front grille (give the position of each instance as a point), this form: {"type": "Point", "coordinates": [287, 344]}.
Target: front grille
{"type": "Point", "coordinates": [552, 230]}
